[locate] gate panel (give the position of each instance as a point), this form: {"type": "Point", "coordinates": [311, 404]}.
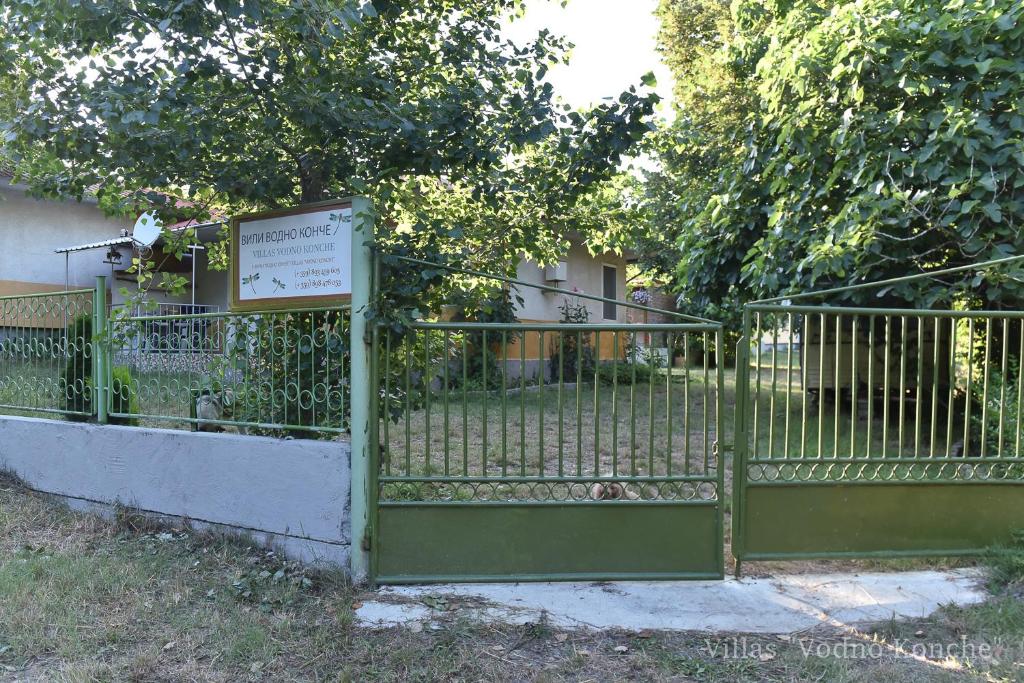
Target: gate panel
{"type": "Point", "coordinates": [877, 432]}
{"type": "Point", "coordinates": [548, 451]}
{"type": "Point", "coordinates": [524, 541]}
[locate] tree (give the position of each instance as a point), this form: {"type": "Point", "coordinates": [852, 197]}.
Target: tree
{"type": "Point", "coordinates": [702, 148]}
{"type": "Point", "coordinates": [262, 103]}
{"type": "Point", "coordinates": [886, 139]}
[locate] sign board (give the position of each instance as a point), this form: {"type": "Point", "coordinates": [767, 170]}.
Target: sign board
{"type": "Point", "coordinates": [291, 258]}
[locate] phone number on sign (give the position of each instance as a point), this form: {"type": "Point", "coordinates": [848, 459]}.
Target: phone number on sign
{"type": "Point", "coordinates": [318, 284]}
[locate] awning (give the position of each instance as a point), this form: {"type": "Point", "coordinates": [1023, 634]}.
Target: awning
{"type": "Point", "coordinates": [117, 241]}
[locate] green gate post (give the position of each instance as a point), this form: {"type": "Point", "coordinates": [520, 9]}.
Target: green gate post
{"type": "Point", "coordinates": [360, 427]}
{"type": "Point", "coordinates": [740, 438]}
{"type": "Point", "coordinates": [100, 348]}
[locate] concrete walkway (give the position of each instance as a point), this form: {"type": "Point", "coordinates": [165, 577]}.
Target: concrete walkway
{"type": "Point", "coordinates": [779, 605]}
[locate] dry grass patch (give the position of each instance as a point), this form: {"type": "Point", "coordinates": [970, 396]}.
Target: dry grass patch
{"type": "Point", "coordinates": [83, 599]}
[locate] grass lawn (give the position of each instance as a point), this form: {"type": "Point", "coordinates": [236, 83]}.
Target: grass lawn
{"type": "Point", "coordinates": [82, 599]}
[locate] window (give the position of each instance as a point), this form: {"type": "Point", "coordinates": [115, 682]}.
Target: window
{"type": "Point", "coordinates": [610, 309]}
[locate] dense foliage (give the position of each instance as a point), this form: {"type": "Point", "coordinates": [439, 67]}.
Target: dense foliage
{"type": "Point", "coordinates": [261, 103]}
{"type": "Point", "coordinates": [861, 140]}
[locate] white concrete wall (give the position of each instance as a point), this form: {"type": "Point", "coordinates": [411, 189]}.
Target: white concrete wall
{"type": "Point", "coordinates": [31, 229]}
{"type": "Point", "coordinates": [211, 285]}
{"type": "Point", "coordinates": [292, 494]}
{"type": "Point", "coordinates": [584, 274]}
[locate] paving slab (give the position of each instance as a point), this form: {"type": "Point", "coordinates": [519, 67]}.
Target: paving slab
{"type": "Point", "coordinates": [773, 605]}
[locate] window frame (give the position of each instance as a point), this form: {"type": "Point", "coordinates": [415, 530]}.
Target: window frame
{"type": "Point", "coordinates": [604, 292]}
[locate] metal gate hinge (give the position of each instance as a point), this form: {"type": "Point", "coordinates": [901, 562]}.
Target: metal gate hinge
{"type": "Point", "coordinates": [365, 545]}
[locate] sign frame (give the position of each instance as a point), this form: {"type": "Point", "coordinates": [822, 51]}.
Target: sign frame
{"type": "Point", "coordinates": [236, 304]}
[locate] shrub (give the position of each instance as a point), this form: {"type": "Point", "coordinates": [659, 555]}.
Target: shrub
{"type": "Point", "coordinates": [295, 368]}
{"type": "Point", "coordinates": [482, 360]}
{"type": "Point", "coordinates": [626, 372]}
{"type": "Point", "coordinates": [77, 382]}
{"type": "Point", "coordinates": [574, 354]}
{"type": "Point", "coordinates": [76, 378]}
{"type": "Point", "coordinates": [1003, 393]}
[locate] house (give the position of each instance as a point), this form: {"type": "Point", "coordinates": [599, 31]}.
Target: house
{"type": "Point", "coordinates": [581, 272]}
{"type": "Point", "coordinates": [52, 245]}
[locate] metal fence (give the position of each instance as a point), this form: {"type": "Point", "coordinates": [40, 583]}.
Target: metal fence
{"type": "Point", "coordinates": [532, 411]}
{"type": "Point", "coordinates": [275, 371]}
{"type": "Point", "coordinates": [46, 352]}
{"type": "Point", "coordinates": [546, 450]}
{"type": "Point", "coordinates": [854, 423]}
{"type": "Point", "coordinates": [892, 385]}
{"type": "Point", "coordinates": [269, 370]}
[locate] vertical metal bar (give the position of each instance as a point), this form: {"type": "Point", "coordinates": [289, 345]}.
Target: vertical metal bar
{"type": "Point", "coordinates": [427, 471]}
{"type": "Point", "coordinates": [101, 350]}
{"type": "Point", "coordinates": [903, 382]}
{"type": "Point", "coordinates": [804, 359]}
{"type": "Point", "coordinates": [822, 338]}
{"type": "Point", "coordinates": [615, 403]}
{"type": "Point", "coordinates": [286, 374]}
{"type": "Point", "coordinates": [920, 380]}
{"type": "Point", "coordinates": [632, 406]}
{"type": "Point", "coordinates": [561, 404]}
{"type": "Point", "coordinates": [885, 388]}
{"type": "Point", "coordinates": [522, 404]}
{"type": "Point", "coordinates": [540, 409]}
{"type": "Point", "coordinates": [1020, 390]}
{"type": "Point", "coordinates": [312, 354]}
{"type": "Point", "coordinates": [854, 342]}
{"type": "Point", "coordinates": [504, 403]}
{"type": "Point", "coordinates": [686, 402]}
{"type": "Point", "coordinates": [408, 401]}
{"type": "Point", "coordinates": [1004, 378]}
{"type": "Point", "coordinates": [707, 384]}
{"type": "Point", "coordinates": [952, 386]}
{"type": "Point", "coordinates": [579, 404]}
{"type": "Point", "coordinates": [719, 436]}
{"type": "Point", "coordinates": [837, 385]}
{"type": "Point", "coordinates": [387, 400]}
{"type": "Point", "coordinates": [775, 385]}
{"type": "Point", "coordinates": [789, 383]}
{"type": "Point", "coordinates": [984, 387]}
{"type": "Point", "coordinates": [742, 443]}
{"type": "Point", "coordinates": [363, 400]}
{"type": "Point", "coordinates": [650, 415]}
{"type": "Point", "coordinates": [871, 386]}
{"type": "Point", "coordinates": [485, 360]}
{"type": "Point", "coordinates": [970, 374]}
{"type": "Point", "coordinates": [597, 402]}
{"type": "Point", "coordinates": [446, 369]}
{"type": "Point", "coordinates": [465, 404]}
{"type": "Point", "coordinates": [935, 388]}
{"type": "Point", "coordinates": [757, 387]}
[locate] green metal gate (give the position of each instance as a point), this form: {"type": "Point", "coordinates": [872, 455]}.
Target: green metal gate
{"type": "Point", "coordinates": [547, 451]}
{"type": "Point", "coordinates": [877, 432]}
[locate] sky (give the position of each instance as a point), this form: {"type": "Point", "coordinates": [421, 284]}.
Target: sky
{"type": "Point", "coordinates": [615, 44]}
